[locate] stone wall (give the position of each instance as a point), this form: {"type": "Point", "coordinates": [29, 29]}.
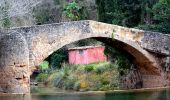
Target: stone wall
{"type": "Point", "coordinates": [14, 58]}
{"type": "Point", "coordinates": [133, 80]}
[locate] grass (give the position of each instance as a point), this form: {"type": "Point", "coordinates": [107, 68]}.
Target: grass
{"type": "Point", "coordinates": [97, 76]}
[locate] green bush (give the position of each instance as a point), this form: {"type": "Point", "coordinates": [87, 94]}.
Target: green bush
{"type": "Point", "coordinates": [42, 77]}
{"type": "Point", "coordinates": [75, 77]}
{"type": "Point", "coordinates": [89, 68]}
{"type": "Point", "coordinates": [58, 79]}
{"type": "Point", "coordinates": [75, 12]}
{"type": "Point", "coordinates": [44, 65]}
{"type": "Point", "coordinates": [100, 69]}
{"type": "Point", "coordinates": [104, 81]}
{"type": "Point", "coordinates": [57, 58]}
{"type": "Point", "coordinates": [77, 86]}
{"type": "Point", "coordinates": [72, 11]}
{"type": "Point", "coordinates": [69, 82]}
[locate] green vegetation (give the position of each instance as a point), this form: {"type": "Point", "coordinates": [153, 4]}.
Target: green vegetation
{"type": "Point", "coordinates": [44, 65]}
{"type": "Point", "coordinates": [74, 12]}
{"type": "Point", "coordinates": [5, 22]}
{"type": "Point", "coordinates": [42, 77]}
{"type": "Point", "coordinates": [98, 76]}
{"type": "Point", "coordinates": [123, 60]}
{"type": "Point", "coordinates": [151, 15]}
{"type": "Point", "coordinates": [60, 56]}
{"type": "Point", "coordinates": [57, 58]}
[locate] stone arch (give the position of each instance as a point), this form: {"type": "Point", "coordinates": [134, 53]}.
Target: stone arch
{"type": "Point", "coordinates": [143, 59]}
{"type": "Point", "coordinates": [55, 36]}
{"type": "Point", "coordinates": [35, 43]}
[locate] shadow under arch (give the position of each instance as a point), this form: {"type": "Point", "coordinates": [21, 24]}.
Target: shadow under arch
{"type": "Point", "coordinates": [143, 63]}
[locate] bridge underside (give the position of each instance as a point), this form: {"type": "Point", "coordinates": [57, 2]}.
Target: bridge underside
{"type": "Point", "coordinates": [148, 75]}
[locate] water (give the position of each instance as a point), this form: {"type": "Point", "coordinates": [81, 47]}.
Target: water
{"type": "Point", "coordinates": [54, 94]}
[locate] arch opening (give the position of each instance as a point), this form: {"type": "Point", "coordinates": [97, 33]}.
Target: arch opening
{"type": "Point", "coordinates": [139, 59]}
{"type": "Point", "coordinates": [133, 56]}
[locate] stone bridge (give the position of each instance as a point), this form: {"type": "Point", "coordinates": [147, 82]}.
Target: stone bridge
{"type": "Point", "coordinates": [25, 47]}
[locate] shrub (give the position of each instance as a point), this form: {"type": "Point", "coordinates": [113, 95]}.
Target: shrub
{"type": "Point", "coordinates": [42, 77]}
{"type": "Point", "coordinates": [100, 69]}
{"type": "Point", "coordinates": [75, 77]}
{"type": "Point", "coordinates": [58, 79]}
{"type": "Point", "coordinates": [75, 12]}
{"type": "Point", "coordinates": [104, 81]}
{"type": "Point", "coordinates": [72, 11]}
{"type": "Point", "coordinates": [77, 86]}
{"type": "Point", "coordinates": [89, 68]}
{"type": "Point", "coordinates": [69, 82]}
{"type": "Point", "coordinates": [105, 88]}
{"type": "Point", "coordinates": [44, 65]}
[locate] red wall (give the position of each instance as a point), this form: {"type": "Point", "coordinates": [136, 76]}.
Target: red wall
{"type": "Point", "coordinates": [87, 55]}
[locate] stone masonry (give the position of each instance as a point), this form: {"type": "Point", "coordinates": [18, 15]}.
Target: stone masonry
{"type": "Point", "coordinates": [23, 48]}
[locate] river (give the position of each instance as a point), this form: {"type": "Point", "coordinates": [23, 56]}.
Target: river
{"type": "Point", "coordinates": [43, 93]}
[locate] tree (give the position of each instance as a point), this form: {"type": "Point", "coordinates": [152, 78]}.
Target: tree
{"type": "Point", "coordinates": [74, 12]}
{"type": "Point", "coordinates": [146, 11]}
{"type": "Point", "coordinates": [120, 12]}
{"type": "Point", "coordinates": [6, 23]}
{"type": "Point", "coordinates": [18, 7]}
{"type": "Point", "coordinates": [161, 11]}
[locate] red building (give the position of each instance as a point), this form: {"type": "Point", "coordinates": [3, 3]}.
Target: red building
{"type": "Point", "coordinates": [86, 55]}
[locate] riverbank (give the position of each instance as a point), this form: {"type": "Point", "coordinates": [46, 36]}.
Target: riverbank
{"type": "Point", "coordinates": [101, 76]}
{"type": "Point", "coordinates": [57, 91]}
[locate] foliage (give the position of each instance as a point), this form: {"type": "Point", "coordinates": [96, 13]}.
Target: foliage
{"type": "Point", "coordinates": [6, 22]}
{"type": "Point", "coordinates": [122, 60]}
{"type": "Point", "coordinates": [151, 15]}
{"type": "Point", "coordinates": [57, 58]}
{"type": "Point", "coordinates": [74, 12]}
{"type": "Point", "coordinates": [42, 77]}
{"type": "Point", "coordinates": [161, 11]}
{"type": "Point", "coordinates": [77, 86]}
{"type": "Point", "coordinates": [119, 12]}
{"type": "Point", "coordinates": [102, 68]}
{"type": "Point", "coordinates": [44, 65]}
{"type": "Point", "coordinates": [89, 67]}
{"type": "Point", "coordinates": [76, 77]}
{"type": "Point", "coordinates": [62, 78]}
{"type": "Point", "coordinates": [60, 56]}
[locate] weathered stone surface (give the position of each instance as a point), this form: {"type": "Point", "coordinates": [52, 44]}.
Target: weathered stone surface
{"type": "Point", "coordinates": [13, 53]}
{"type": "Point", "coordinates": [132, 81]}
{"type": "Point", "coordinates": [28, 46]}
{"type": "Point", "coordinates": [157, 43]}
